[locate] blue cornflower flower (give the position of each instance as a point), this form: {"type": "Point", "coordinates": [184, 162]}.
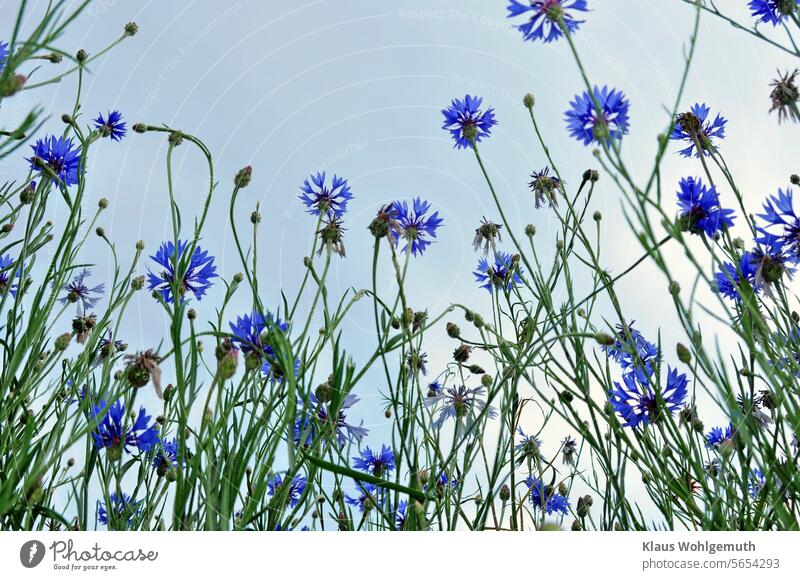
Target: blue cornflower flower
{"type": "Point", "coordinates": [529, 446]}
{"type": "Point", "coordinates": [638, 404]}
{"type": "Point", "coordinates": [459, 402]}
{"type": "Point", "coordinates": [700, 209]}
{"type": "Point", "coordinates": [543, 23]}
{"type": "Point", "coordinates": [756, 483]}
{"type": "Point", "coordinates": [296, 488]}
{"type": "Point", "coordinates": [112, 433]}
{"type": "Point", "coordinates": [377, 463]}
{"type": "Point", "coordinates": [60, 155]}
{"type": "Point", "coordinates": [503, 274]}
{"type": "Point", "coordinates": [122, 506]}
{"type": "Point", "coordinates": [3, 55]}
{"type": "Point", "coordinates": [413, 225]}
{"type": "Point", "coordinates": [717, 436]}
{"type": "Point", "coordinates": [319, 198]}
{"type": "Point", "coordinates": [779, 212]}
{"type": "Point", "coordinates": [78, 291]}
{"type": "Point", "coordinates": [729, 278]}
{"type": "Point", "coordinates": [434, 388]}
{"type": "Point", "coordinates": [772, 11]}
{"type": "Point", "coordinates": [400, 515]}
{"type": "Point", "coordinates": [692, 126]}
{"type": "Point", "coordinates": [6, 267]}
{"type": "Point", "coordinates": [248, 330]}
{"type": "Point", "coordinates": [167, 456]}
{"type": "Point", "coordinates": [196, 278]}
{"type": "Point", "coordinates": [306, 429]}
{"type": "Point", "coordinates": [770, 261]}
{"type": "Point", "coordinates": [585, 125]}
{"type": "Point", "coordinates": [631, 348]}
{"type": "Point", "coordinates": [112, 126]}
{"type": "Point", "coordinates": [366, 499]}
{"type": "Point", "coordinates": [468, 115]}
{"type": "Point", "coordinates": [546, 498]}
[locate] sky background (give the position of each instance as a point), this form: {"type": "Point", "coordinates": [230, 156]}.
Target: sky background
{"type": "Point", "coordinates": [356, 88]}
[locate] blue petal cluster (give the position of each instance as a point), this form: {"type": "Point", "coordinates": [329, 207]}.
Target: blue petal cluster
{"type": "Point", "coordinates": [112, 126]}
{"type": "Point", "coordinates": [543, 17]}
{"type": "Point", "coordinates": [319, 197]}
{"type": "Point", "coordinates": [729, 278]}
{"type": "Point", "coordinates": [598, 118]}
{"type": "Point", "coordinates": [503, 274]}
{"type": "Point", "coordinates": [113, 432]}
{"type": "Point", "coordinates": [296, 487]}
{"type": "Point", "coordinates": [3, 55]}
{"type": "Point", "coordinates": [468, 113]}
{"type": "Point", "coordinates": [459, 402]}
{"type": "Point", "coordinates": [705, 132]}
{"type": "Point", "coordinates": [772, 11]}
{"type": "Point", "coordinates": [414, 225]}
{"type": "Point", "coordinates": [545, 498]}
{"type": "Point", "coordinates": [60, 155]}
{"type": "Point", "coordinates": [637, 402]}
{"type": "Point", "coordinates": [78, 291]}
{"type": "Point", "coordinates": [378, 463]}
{"type": "Point", "coordinates": [196, 279]}
{"type": "Point", "coordinates": [700, 209]}
{"type": "Point", "coordinates": [121, 506]}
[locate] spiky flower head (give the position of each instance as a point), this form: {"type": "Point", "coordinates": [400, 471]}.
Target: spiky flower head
{"type": "Point", "coordinates": [600, 117]}
{"type": "Point", "coordinates": [293, 488]}
{"type": "Point", "coordinates": [730, 279]}
{"type": "Point", "coordinates": [503, 274]}
{"type": "Point", "coordinates": [120, 511]}
{"type": "Point", "coordinates": [113, 433]}
{"type": "Point", "coordinates": [785, 96]}
{"type": "Point", "coordinates": [694, 128]}
{"type": "Point", "coordinates": [700, 211]}
{"type": "Point", "coordinates": [60, 155]}
{"type": "Point", "coordinates": [111, 126]}
{"type": "Point", "coordinates": [545, 17]}
{"type": "Point", "coordinates": [772, 11]}
{"type": "Point", "coordinates": [319, 197]}
{"type": "Point", "coordinates": [196, 277]}
{"type": "Point", "coordinates": [459, 403]}
{"type": "Point", "coordinates": [467, 122]}
{"type": "Point", "coordinates": [414, 225]}
{"type": "Point", "coordinates": [639, 402]}
{"type": "Point", "coordinates": [378, 463]}
{"type": "Point", "coordinates": [546, 498]}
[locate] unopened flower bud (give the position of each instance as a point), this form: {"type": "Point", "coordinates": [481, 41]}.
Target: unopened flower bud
{"type": "Point", "coordinates": [487, 380]}
{"type": "Point", "coordinates": [255, 218]}
{"type": "Point", "coordinates": [81, 56]}
{"type": "Point", "coordinates": [131, 28]}
{"type": "Point", "coordinates": [674, 288]}
{"type": "Point", "coordinates": [137, 283]}
{"type": "Point", "coordinates": [684, 355]}
{"type": "Point", "coordinates": [62, 342]}
{"type": "Point", "coordinates": [528, 100]}
{"type": "Point", "coordinates": [530, 230]}
{"type": "Point", "coordinates": [243, 177]}
{"type": "Point", "coordinates": [794, 179]}
{"type": "Point", "coordinates": [597, 216]}
{"type": "Point", "coordinates": [505, 493]}
{"type": "Point", "coordinates": [453, 331]}
{"type": "Point", "coordinates": [140, 128]}
{"type": "Point", "coordinates": [100, 232]}
{"type": "Point", "coordinates": [604, 339]}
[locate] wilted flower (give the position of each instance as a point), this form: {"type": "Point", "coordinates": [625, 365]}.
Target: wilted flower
{"type": "Point", "coordinates": [320, 198]}
{"type": "Point", "coordinates": [545, 186]}
{"type": "Point", "coordinates": [414, 226]}
{"type": "Point", "coordinates": [112, 126]}
{"type": "Point", "coordinates": [458, 403]}
{"type": "Point", "coordinates": [142, 367]}
{"type": "Point", "coordinates": [59, 155]}
{"type": "Point", "coordinates": [600, 117]}
{"type": "Point", "coordinates": [543, 22]}
{"type": "Point", "coordinates": [467, 122]}
{"type": "Point", "coordinates": [83, 326]}
{"type": "Point", "coordinates": [332, 235]}
{"type": "Point", "coordinates": [700, 209]}
{"type": "Point", "coordinates": [78, 291]}
{"type": "Point", "coordinates": [693, 128]}
{"type": "Point", "coordinates": [196, 278]}
{"type": "Point", "coordinates": [569, 447]}
{"type": "Point", "coordinates": [785, 95]}
{"type": "Point", "coordinates": [366, 499]}
{"type": "Point", "coordinates": [306, 429]}
{"type": "Point", "coordinates": [485, 235]}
